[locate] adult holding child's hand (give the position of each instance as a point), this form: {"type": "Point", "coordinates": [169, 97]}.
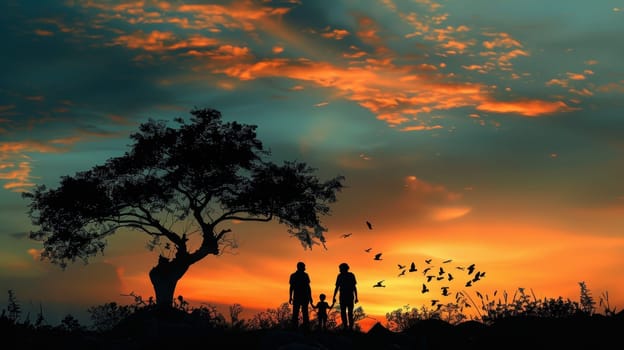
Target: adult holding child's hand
{"type": "Point", "coordinates": [346, 285]}
{"type": "Point", "coordinates": [300, 295]}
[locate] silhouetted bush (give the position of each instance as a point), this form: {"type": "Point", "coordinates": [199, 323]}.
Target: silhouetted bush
{"type": "Point", "coordinates": [521, 319]}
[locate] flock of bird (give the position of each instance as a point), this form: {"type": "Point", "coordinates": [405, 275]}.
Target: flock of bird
{"type": "Point", "coordinates": [431, 272]}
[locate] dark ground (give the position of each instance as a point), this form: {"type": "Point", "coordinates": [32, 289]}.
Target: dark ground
{"type": "Point", "coordinates": [581, 332]}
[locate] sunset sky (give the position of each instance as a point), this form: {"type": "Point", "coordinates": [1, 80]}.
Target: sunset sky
{"type": "Point", "coordinates": [483, 131]}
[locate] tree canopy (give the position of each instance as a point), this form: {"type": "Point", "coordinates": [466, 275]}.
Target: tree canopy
{"type": "Point", "coordinates": [203, 171]}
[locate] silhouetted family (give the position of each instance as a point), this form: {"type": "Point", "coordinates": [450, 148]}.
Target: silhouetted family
{"type": "Point", "coordinates": [300, 295]}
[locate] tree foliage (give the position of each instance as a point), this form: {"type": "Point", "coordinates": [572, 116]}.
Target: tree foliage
{"type": "Point", "coordinates": [203, 172]}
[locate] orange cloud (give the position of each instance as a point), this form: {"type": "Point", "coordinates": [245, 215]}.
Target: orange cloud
{"type": "Point", "coordinates": [394, 93]}
{"type": "Point", "coordinates": [209, 17]}
{"type": "Point", "coordinates": [162, 41]}
{"type": "Point", "coordinates": [505, 57]}
{"type": "Point", "coordinates": [575, 76]}
{"type": "Point", "coordinates": [500, 40]}
{"type": "Point", "coordinates": [435, 202]}
{"type": "Point", "coordinates": [7, 148]}
{"type": "Point", "coordinates": [581, 92]}
{"type": "Point", "coordinates": [15, 166]}
{"type": "Point", "coordinates": [391, 93]}
{"type": "Point", "coordinates": [390, 118]}
{"type": "Point", "coordinates": [229, 52]}
{"type": "Point", "coordinates": [425, 189]}
{"type": "Point", "coordinates": [421, 127]}
{"type": "Point", "coordinates": [117, 119]}
{"type": "Point", "coordinates": [367, 30]}
{"type": "Point", "coordinates": [560, 82]}
{"type": "Point", "coordinates": [527, 108]}
{"type": "Point", "coordinates": [34, 253]}
{"type": "Point", "coordinates": [476, 67]}
{"type": "Point", "coordinates": [243, 15]}
{"type": "Point", "coordinates": [612, 87]}
{"type": "Point", "coordinates": [244, 71]}
{"type": "Point", "coordinates": [419, 24]}
{"type": "Point", "coordinates": [42, 32]}
{"type": "Point", "coordinates": [224, 53]}
{"type": "Point", "coordinates": [18, 177]}
{"type": "Point", "coordinates": [450, 213]}
{"type": "Point", "coordinates": [15, 163]}
{"type": "Point", "coordinates": [226, 85]}
{"type": "Point", "coordinates": [432, 5]}
{"type": "Point", "coordinates": [337, 34]}
{"type": "Point", "coordinates": [66, 140]}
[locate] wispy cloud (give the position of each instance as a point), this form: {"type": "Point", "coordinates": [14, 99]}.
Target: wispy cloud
{"type": "Point", "coordinates": [367, 71]}
{"type": "Point", "coordinates": [526, 108]}
{"type": "Point", "coordinates": [16, 162]}
{"type": "Point", "coordinates": [432, 201]}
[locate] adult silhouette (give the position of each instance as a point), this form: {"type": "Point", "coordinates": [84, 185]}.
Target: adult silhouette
{"type": "Point", "coordinates": [300, 295]}
{"type": "Point", "coordinates": [346, 284]}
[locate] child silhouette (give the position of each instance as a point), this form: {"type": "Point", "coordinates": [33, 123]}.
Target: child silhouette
{"type": "Point", "coordinates": [321, 314]}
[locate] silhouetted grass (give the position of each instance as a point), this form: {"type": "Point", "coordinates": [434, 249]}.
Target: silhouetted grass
{"type": "Point", "coordinates": [472, 321]}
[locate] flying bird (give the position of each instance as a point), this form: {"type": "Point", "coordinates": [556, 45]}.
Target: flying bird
{"type": "Point", "coordinates": [424, 288]}
{"type": "Point", "coordinates": [441, 271]}
{"type": "Point", "coordinates": [469, 283]}
{"type": "Point", "coordinates": [426, 270]}
{"type": "Point", "coordinates": [445, 291]}
{"type": "Point", "coordinates": [401, 267]}
{"type": "Point", "coordinates": [402, 273]}
{"type": "Point", "coordinates": [346, 235]}
{"type": "Point", "coordinates": [412, 267]}
{"type": "Point", "coordinates": [379, 284]}
{"type": "Point", "coordinates": [450, 277]}
{"type": "Point", "coordinates": [471, 268]}
{"type": "Point", "coordinates": [434, 301]}
{"type": "Point", "coordinates": [378, 256]}
{"type": "Point", "coordinates": [447, 261]}
{"type": "Point", "coordinates": [478, 276]}
{"type": "Point", "coordinates": [428, 261]}
{"type": "Point", "coordinates": [429, 278]}
{"type": "Point", "coordinates": [368, 250]}
{"type": "Point", "coordinates": [370, 226]}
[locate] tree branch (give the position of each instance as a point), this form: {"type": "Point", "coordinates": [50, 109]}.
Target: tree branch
{"type": "Point", "coordinates": [172, 236]}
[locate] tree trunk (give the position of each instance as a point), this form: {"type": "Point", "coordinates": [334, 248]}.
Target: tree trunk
{"type": "Point", "coordinates": [165, 276]}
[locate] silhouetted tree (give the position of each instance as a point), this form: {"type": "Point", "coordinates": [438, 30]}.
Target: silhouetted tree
{"type": "Point", "coordinates": [235, 311]}
{"type": "Point", "coordinates": [279, 317]}
{"type": "Point", "coordinates": [106, 316]}
{"type": "Point", "coordinates": [70, 324]}
{"type": "Point", "coordinates": [587, 301]}
{"type": "Point", "coordinates": [14, 309]}
{"type": "Point", "coordinates": [175, 182]}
